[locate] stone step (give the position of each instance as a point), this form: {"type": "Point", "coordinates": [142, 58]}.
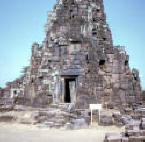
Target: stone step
{"type": "Point", "coordinates": [62, 106]}
{"type": "Point", "coordinates": [50, 124]}
{"type": "Point", "coordinates": [54, 106]}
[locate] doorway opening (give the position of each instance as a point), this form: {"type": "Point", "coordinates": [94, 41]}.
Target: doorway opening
{"type": "Point", "coordinates": [70, 89]}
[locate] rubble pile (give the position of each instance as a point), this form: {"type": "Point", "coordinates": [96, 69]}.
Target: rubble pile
{"type": "Point", "coordinates": [56, 116]}
{"type": "Point", "coordinates": [134, 128]}
{"type": "Point", "coordinates": [135, 132]}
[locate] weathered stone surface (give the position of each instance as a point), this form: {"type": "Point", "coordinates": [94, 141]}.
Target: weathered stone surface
{"type": "Point", "coordinates": [117, 117]}
{"type": "Point", "coordinates": [113, 137]}
{"type": "Point", "coordinates": [76, 65]}
{"type": "Point", "coordinates": [124, 139]}
{"type": "Point", "coordinates": [106, 118]}
{"type": "Point", "coordinates": [80, 124]}
{"type": "Point", "coordinates": [134, 133]}
{"type": "Point", "coordinates": [136, 139]}
{"type": "Point", "coordinates": [143, 95]}
{"type": "Point", "coordinates": [106, 121]}
{"type": "Point", "coordinates": [6, 118]}
{"type": "Point", "coordinates": [77, 55]}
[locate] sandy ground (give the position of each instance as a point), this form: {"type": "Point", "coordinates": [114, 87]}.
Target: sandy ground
{"type": "Point", "coordinates": [29, 133]}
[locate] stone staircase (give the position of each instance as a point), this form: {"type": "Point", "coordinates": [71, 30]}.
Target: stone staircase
{"type": "Point", "coordinates": [60, 115]}
{"type": "Point", "coordinates": [56, 115]}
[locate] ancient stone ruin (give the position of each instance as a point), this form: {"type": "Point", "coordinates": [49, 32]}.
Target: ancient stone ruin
{"type": "Point", "coordinates": [134, 130]}
{"type": "Point", "coordinates": [76, 65]}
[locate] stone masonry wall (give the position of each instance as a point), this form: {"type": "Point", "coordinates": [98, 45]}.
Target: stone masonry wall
{"type": "Point", "coordinates": [78, 45]}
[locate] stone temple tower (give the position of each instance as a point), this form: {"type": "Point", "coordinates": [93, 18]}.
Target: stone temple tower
{"type": "Point", "coordinates": [77, 62]}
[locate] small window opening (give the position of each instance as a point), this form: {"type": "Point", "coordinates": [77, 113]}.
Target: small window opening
{"type": "Point", "coordinates": [51, 39]}
{"type": "Point", "coordinates": [94, 31]}
{"type": "Point", "coordinates": [15, 92]}
{"type": "Point", "coordinates": [49, 67]}
{"type": "Point", "coordinates": [32, 81]}
{"type": "Point", "coordinates": [87, 58]}
{"type": "Point", "coordinates": [65, 6]}
{"type": "Point", "coordinates": [98, 10]}
{"type": "Point", "coordinates": [94, 19]}
{"type": "Point", "coordinates": [101, 62]}
{"type": "Point", "coordinates": [72, 16]}
{"type": "Point", "coordinates": [135, 77]}
{"type": "Point", "coordinates": [71, 10]}
{"type": "Point", "coordinates": [41, 77]}
{"type": "Point", "coordinates": [126, 63]}
{"type": "Point", "coordinates": [104, 39]}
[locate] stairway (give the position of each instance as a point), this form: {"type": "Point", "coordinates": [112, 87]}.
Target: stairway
{"type": "Point", "coordinates": [57, 115]}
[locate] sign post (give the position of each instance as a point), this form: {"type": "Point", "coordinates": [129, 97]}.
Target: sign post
{"type": "Point", "coordinates": [95, 107]}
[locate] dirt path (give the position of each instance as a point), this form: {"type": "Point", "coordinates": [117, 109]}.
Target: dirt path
{"type": "Point", "coordinates": [28, 133]}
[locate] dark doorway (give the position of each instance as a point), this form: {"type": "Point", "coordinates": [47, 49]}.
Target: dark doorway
{"type": "Point", "coordinates": [101, 62]}
{"type": "Point", "coordinates": [70, 85]}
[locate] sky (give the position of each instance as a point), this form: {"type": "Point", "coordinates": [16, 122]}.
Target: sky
{"type": "Point", "coordinates": [22, 23]}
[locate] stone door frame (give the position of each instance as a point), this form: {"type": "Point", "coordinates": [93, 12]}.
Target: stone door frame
{"type": "Point", "coordinates": [63, 81]}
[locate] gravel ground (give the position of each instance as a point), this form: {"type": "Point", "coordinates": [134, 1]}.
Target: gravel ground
{"type": "Point", "coordinates": [30, 133]}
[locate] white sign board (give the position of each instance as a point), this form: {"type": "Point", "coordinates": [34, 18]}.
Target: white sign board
{"type": "Point", "coordinates": [95, 106]}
